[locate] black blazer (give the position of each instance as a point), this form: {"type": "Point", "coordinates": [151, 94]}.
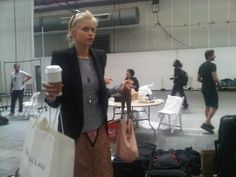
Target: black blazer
{"type": "Point", "coordinates": [71, 100]}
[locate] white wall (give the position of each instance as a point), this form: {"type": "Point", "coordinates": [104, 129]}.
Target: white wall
{"type": "Point", "coordinates": [16, 30]}
{"type": "Point", "coordinates": [153, 67]}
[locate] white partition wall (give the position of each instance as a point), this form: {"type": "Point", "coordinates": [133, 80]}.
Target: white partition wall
{"type": "Point", "coordinates": [157, 67]}
{"type": "Point", "coordinates": [7, 31]}
{"type": "Point", "coordinates": [16, 30]}
{"type": "Point", "coordinates": [16, 34]}
{"type": "Point", "coordinates": [24, 13]}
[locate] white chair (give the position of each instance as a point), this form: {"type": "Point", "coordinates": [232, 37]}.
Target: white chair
{"type": "Point", "coordinates": [31, 105]}
{"type": "Point", "coordinates": [172, 109]}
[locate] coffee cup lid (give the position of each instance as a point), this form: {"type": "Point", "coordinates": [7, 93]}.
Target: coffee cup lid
{"type": "Point", "coordinates": [53, 68]}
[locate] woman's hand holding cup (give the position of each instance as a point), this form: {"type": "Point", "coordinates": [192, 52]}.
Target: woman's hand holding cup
{"type": "Point", "coordinates": [52, 90]}
{"type": "Point", "coordinates": [53, 85]}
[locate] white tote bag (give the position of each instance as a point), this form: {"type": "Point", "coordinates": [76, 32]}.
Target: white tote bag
{"type": "Point", "coordinates": [46, 152]}
{"type": "Point", "coordinates": [37, 153]}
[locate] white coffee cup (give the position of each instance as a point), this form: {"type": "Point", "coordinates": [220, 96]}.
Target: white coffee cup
{"type": "Point", "coordinates": [53, 75]}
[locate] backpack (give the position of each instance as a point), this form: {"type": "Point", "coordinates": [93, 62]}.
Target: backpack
{"type": "Point", "coordinates": [3, 120]}
{"type": "Point", "coordinates": [175, 163]}
{"type": "Point", "coordinates": [191, 159]}
{"type": "Point", "coordinates": [183, 78]}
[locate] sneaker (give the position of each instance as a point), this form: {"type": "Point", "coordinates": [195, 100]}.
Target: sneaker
{"type": "Point", "coordinates": [20, 114]}
{"type": "Point", "coordinates": [185, 106]}
{"type": "Point", "coordinates": [211, 126]}
{"type": "Point", "coordinates": [207, 127]}
{"type": "Point", "coordinates": [11, 114]}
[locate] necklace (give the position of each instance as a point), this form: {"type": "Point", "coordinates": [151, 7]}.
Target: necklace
{"type": "Point", "coordinates": [84, 58]}
{"type": "Point", "coordinates": [85, 66]}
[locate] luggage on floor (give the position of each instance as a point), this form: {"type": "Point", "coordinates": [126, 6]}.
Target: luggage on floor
{"type": "Point", "coordinates": [226, 147]}
{"type": "Point", "coordinates": [190, 159]}
{"type": "Point", "coordinates": [138, 167]}
{"type": "Point", "coordinates": [167, 173]}
{"type": "Point", "coordinates": [3, 120]}
{"type": "Point", "coordinates": [175, 163]}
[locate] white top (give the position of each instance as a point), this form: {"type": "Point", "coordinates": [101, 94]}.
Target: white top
{"type": "Point", "coordinates": [17, 79]}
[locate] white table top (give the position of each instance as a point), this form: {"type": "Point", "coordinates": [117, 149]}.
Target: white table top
{"type": "Point", "coordinates": [137, 103]}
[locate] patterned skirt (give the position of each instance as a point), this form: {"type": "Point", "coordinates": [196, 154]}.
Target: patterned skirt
{"type": "Point", "coordinates": [93, 158]}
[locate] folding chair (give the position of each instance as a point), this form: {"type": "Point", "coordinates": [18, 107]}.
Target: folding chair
{"type": "Point", "coordinates": [172, 109]}
{"type": "Point", "coordinates": [31, 105]}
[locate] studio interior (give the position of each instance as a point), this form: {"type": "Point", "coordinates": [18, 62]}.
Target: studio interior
{"type": "Point", "coordinates": [194, 123]}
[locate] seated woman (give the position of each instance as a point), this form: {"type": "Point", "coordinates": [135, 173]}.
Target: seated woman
{"type": "Point", "coordinates": [130, 75]}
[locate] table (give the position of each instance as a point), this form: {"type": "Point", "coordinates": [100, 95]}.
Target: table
{"type": "Point", "coordinates": [134, 104]}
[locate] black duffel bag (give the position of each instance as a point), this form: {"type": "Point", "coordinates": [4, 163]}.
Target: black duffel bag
{"type": "Point", "coordinates": [175, 163]}
{"type": "Point", "coordinates": [137, 168]}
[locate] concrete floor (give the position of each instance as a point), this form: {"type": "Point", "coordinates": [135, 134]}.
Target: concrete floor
{"type": "Point", "coordinates": [12, 135]}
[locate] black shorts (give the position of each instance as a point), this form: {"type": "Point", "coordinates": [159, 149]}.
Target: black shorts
{"type": "Point", "coordinates": [211, 97]}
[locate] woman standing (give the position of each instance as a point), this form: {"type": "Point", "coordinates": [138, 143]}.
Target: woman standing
{"type": "Point", "coordinates": [84, 98]}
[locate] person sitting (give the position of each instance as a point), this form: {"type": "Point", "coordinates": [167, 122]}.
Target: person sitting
{"type": "Point", "coordinates": [126, 94]}
{"type": "Point", "coordinates": [130, 75]}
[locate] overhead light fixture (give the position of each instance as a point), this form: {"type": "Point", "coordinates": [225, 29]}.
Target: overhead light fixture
{"type": "Point", "coordinates": [103, 17]}
{"type": "Point", "coordinates": [155, 6]}
{"type": "Point", "coordinates": [99, 17]}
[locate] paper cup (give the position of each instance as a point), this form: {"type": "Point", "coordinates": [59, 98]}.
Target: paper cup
{"type": "Point", "coordinates": [53, 76]}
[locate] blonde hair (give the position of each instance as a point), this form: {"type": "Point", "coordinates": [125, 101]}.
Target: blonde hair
{"type": "Point", "coordinates": [76, 19]}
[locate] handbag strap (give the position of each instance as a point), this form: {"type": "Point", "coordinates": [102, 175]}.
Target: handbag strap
{"type": "Point", "coordinates": [58, 111]}
{"type": "Point", "coordinates": [57, 114]}
{"type": "Point", "coordinates": [60, 117]}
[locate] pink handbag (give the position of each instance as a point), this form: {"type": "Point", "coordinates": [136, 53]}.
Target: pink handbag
{"type": "Point", "coordinates": [113, 127]}
{"type": "Point", "coordinates": [127, 149]}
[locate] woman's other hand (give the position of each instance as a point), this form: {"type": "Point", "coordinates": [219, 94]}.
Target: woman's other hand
{"type": "Point", "coordinates": [127, 85]}
{"type": "Point", "coordinates": [108, 80]}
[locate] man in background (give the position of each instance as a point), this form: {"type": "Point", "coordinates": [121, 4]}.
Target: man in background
{"type": "Point", "coordinates": [207, 75]}
{"type": "Point", "coordinates": [18, 80]}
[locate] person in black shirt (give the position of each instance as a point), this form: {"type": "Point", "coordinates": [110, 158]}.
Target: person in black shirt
{"type": "Point", "coordinates": [178, 84]}
{"type": "Point", "coordinates": [126, 94]}
{"type": "Point", "coordinates": [130, 75]}
{"type": "Point", "coordinates": [207, 75]}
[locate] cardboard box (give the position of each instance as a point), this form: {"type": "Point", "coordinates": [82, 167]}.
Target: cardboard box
{"type": "Point", "coordinates": [208, 163]}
